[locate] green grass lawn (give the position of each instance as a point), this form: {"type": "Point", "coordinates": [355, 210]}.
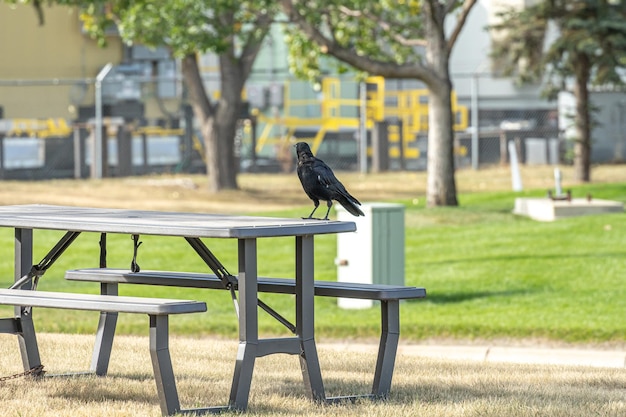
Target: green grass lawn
{"type": "Point", "coordinates": [488, 274]}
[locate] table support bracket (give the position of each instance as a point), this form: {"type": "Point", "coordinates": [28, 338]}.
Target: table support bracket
{"type": "Point", "coordinates": [230, 281]}
{"type": "Point", "coordinates": [38, 270]}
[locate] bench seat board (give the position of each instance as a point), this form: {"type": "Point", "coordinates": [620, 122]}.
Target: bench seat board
{"type": "Point", "coordinates": [268, 285]}
{"type": "Point", "coordinates": [92, 302]}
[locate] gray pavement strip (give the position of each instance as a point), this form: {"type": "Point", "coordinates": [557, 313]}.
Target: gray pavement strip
{"type": "Point", "coordinates": [520, 355]}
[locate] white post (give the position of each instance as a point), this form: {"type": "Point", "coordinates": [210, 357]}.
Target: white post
{"type": "Point", "coordinates": [515, 173]}
{"type": "Point", "coordinates": [557, 182]}
{"type": "Point", "coordinates": [96, 157]}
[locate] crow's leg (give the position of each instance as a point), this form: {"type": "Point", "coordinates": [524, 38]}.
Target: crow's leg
{"type": "Point", "coordinates": [329, 203]}
{"type": "Point", "coordinates": [317, 204]}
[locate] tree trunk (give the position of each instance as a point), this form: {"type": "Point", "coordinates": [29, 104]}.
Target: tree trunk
{"type": "Point", "coordinates": [222, 154]}
{"type": "Point", "coordinates": [217, 124]}
{"type": "Point", "coordinates": [228, 114]}
{"type": "Point", "coordinates": [441, 183]}
{"type": "Point", "coordinates": [441, 189]}
{"type": "Point", "coordinates": [582, 145]}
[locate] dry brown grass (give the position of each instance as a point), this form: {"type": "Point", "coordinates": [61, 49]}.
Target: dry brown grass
{"type": "Point", "coordinates": [267, 192]}
{"type": "Point", "coordinates": [424, 387]}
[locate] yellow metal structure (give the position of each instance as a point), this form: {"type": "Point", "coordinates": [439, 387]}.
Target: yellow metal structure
{"type": "Point", "coordinates": [375, 98]}
{"type": "Point", "coordinates": [40, 128]}
{"type": "Point", "coordinates": [410, 107]}
{"type": "Point", "coordinates": [332, 117]}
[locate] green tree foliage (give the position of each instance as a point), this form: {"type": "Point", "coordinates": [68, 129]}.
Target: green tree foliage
{"type": "Point", "coordinates": [590, 50]}
{"type": "Point", "coordinates": [365, 31]}
{"type": "Point", "coordinates": [395, 39]}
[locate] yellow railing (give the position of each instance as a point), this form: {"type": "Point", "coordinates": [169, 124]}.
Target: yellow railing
{"type": "Point", "coordinates": [41, 128]}
{"type": "Point", "coordinates": [331, 118]}
{"type": "Point", "coordinates": [411, 108]}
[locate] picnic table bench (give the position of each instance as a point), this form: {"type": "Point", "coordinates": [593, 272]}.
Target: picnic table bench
{"type": "Point", "coordinates": [158, 310]}
{"type": "Point", "coordinates": [388, 295]}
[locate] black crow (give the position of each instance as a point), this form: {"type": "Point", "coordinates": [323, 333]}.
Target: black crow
{"type": "Point", "coordinates": [320, 183]}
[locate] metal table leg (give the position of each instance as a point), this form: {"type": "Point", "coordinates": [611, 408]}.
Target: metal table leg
{"type": "Point", "coordinates": [23, 263]}
{"type": "Point", "coordinates": [248, 325]}
{"type": "Point", "coordinates": [104, 335]}
{"type": "Point", "coordinates": [162, 365]}
{"type": "Point", "coordinates": [305, 320]}
{"type": "Point", "coordinates": [249, 345]}
{"type": "Point", "coordinates": [390, 334]}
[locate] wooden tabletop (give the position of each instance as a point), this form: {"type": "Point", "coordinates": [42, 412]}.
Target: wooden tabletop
{"type": "Point", "coordinates": [145, 222]}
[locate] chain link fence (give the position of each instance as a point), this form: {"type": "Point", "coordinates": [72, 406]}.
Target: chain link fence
{"type": "Point", "coordinates": [535, 133]}
{"type": "Point", "coordinates": [48, 127]}
{"type": "Point", "coordinates": [292, 110]}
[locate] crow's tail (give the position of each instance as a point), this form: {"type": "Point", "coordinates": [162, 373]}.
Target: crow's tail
{"type": "Point", "coordinates": [351, 205]}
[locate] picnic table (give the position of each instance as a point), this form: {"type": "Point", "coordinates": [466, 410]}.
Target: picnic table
{"type": "Point", "coordinates": [193, 227]}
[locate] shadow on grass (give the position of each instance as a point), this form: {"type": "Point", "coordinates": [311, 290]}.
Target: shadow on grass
{"type": "Point", "coordinates": [529, 256]}
{"type": "Point", "coordinates": [459, 297]}
{"type": "Point", "coordinates": [126, 388]}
